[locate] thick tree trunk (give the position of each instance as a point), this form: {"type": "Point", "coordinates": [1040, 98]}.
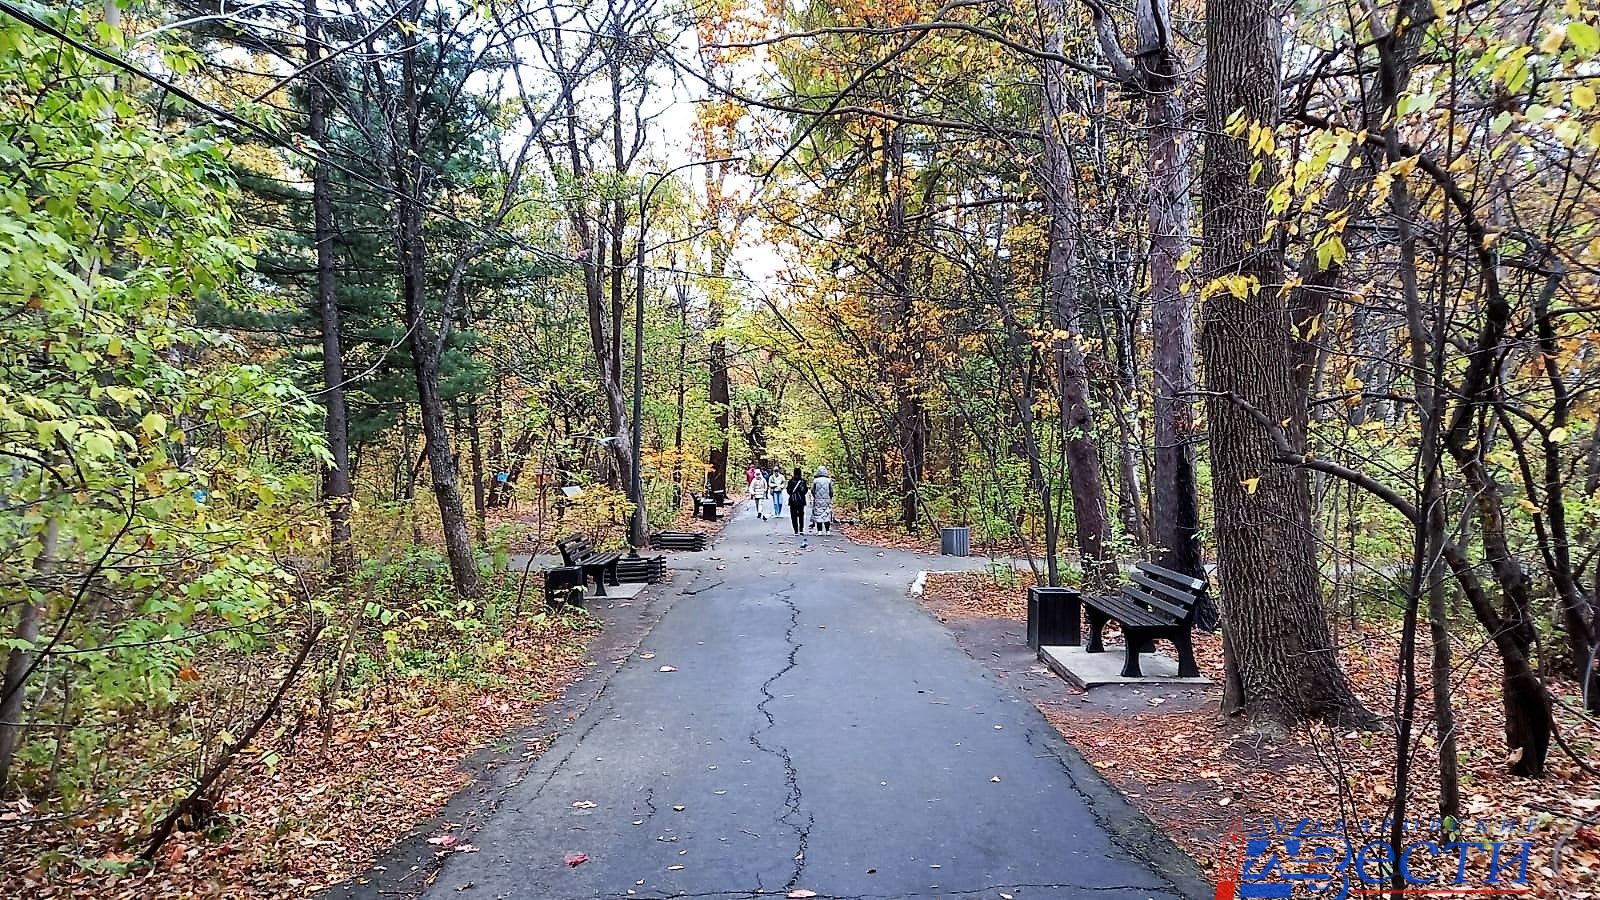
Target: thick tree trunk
{"type": "Point", "coordinates": [1093, 525]}
{"type": "Point", "coordinates": [913, 421]}
{"type": "Point", "coordinates": [719, 398]}
{"type": "Point", "coordinates": [336, 484]}
{"type": "Point", "coordinates": [1270, 581]}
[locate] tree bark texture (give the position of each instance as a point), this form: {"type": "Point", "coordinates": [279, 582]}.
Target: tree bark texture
{"type": "Point", "coordinates": [423, 342]}
{"type": "Point", "coordinates": [1093, 524]}
{"type": "Point", "coordinates": [1270, 582]}
{"type": "Point", "coordinates": [336, 485]}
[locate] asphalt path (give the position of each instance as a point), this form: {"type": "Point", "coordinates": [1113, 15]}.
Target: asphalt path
{"type": "Point", "coordinates": [793, 722]}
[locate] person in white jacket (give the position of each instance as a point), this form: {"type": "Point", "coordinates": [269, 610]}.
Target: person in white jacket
{"type": "Point", "coordinates": [760, 492]}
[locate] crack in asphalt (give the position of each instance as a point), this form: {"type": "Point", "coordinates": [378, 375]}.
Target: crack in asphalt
{"type": "Point", "coordinates": [650, 801]}
{"type": "Point", "coordinates": [793, 816]}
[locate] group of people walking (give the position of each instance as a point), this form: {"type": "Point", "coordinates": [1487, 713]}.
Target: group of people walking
{"type": "Point", "coordinates": [810, 504]}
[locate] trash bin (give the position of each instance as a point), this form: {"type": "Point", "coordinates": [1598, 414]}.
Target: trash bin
{"type": "Point", "coordinates": [1055, 616]}
{"type": "Point", "coordinates": [955, 541]}
{"type": "Point", "coordinates": [708, 509]}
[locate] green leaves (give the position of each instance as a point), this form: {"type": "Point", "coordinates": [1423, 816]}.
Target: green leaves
{"type": "Point", "coordinates": [131, 432]}
{"type": "Point", "coordinates": [1584, 37]}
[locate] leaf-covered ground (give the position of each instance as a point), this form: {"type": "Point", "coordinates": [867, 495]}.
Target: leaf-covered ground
{"type": "Point", "coordinates": [1194, 772]}
{"type": "Point", "coordinates": [294, 816]}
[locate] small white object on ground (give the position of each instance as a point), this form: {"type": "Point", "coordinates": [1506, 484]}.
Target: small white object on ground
{"type": "Point", "coordinates": [919, 584]}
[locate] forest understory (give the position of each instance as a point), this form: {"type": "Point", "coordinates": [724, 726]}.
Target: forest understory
{"type": "Point", "coordinates": [304, 808]}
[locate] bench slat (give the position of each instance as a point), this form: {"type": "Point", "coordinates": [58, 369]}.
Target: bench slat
{"type": "Point", "coordinates": [1158, 607]}
{"type": "Point", "coordinates": [1182, 599]}
{"type": "Point", "coordinates": [1178, 579]}
{"type": "Point", "coordinates": [1126, 612]}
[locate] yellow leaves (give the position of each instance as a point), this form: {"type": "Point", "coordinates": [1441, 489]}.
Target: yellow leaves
{"type": "Point", "coordinates": [1263, 139]}
{"type": "Point", "coordinates": [1513, 70]}
{"type": "Point", "coordinates": [1554, 38]}
{"type": "Point", "coordinates": [154, 424]}
{"type": "Point", "coordinates": [1557, 435]}
{"type": "Point", "coordinates": [1582, 95]}
{"type": "Point", "coordinates": [1240, 286]}
{"type": "Point", "coordinates": [1250, 484]}
{"type": "Point", "coordinates": [1330, 252]}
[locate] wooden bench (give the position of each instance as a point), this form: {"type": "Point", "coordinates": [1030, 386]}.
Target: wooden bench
{"type": "Point", "coordinates": [1158, 604]}
{"type": "Point", "coordinates": [602, 567]}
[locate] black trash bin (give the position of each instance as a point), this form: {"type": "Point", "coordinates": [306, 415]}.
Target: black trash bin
{"type": "Point", "coordinates": [955, 541]}
{"type": "Point", "coordinates": [708, 509]}
{"type": "Point", "coordinates": [1055, 615]}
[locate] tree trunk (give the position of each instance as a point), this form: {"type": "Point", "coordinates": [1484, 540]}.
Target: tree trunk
{"type": "Point", "coordinates": [336, 484]}
{"type": "Point", "coordinates": [680, 392]}
{"type": "Point", "coordinates": [1176, 504]}
{"type": "Point", "coordinates": [1093, 530]}
{"type": "Point", "coordinates": [719, 399]}
{"type": "Point", "coordinates": [20, 663]}
{"type": "Point", "coordinates": [1270, 582]}
{"type": "Point", "coordinates": [501, 492]}
{"type": "Point", "coordinates": [479, 501]}
{"type": "Point", "coordinates": [422, 341]}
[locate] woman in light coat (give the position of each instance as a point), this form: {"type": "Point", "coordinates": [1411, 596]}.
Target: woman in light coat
{"type": "Point", "coordinates": [760, 491]}
{"type": "Point", "coordinates": [822, 501]}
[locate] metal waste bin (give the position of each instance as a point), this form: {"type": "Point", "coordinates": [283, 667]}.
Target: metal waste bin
{"type": "Point", "coordinates": [1055, 616]}
{"type": "Point", "coordinates": [955, 541]}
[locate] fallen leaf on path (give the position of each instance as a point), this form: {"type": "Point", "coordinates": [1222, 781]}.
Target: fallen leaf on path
{"type": "Point", "coordinates": [673, 868]}
{"type": "Point", "coordinates": [799, 895]}
{"type": "Point", "coordinates": [647, 656]}
{"type": "Point", "coordinates": [444, 840]}
{"type": "Point", "coordinates": [583, 804]}
{"type": "Point", "coordinates": [667, 669]}
{"type": "Point", "coordinates": [577, 859]}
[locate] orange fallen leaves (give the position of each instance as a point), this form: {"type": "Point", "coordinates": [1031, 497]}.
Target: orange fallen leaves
{"type": "Point", "coordinates": [1212, 770]}
{"type": "Point", "coordinates": [316, 817]}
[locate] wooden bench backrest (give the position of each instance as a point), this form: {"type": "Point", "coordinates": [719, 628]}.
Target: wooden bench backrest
{"type": "Point", "coordinates": [1166, 591]}
{"type": "Point", "coordinates": [576, 547]}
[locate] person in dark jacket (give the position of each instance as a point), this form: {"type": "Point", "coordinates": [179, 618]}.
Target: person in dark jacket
{"type": "Point", "coordinates": [797, 490]}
